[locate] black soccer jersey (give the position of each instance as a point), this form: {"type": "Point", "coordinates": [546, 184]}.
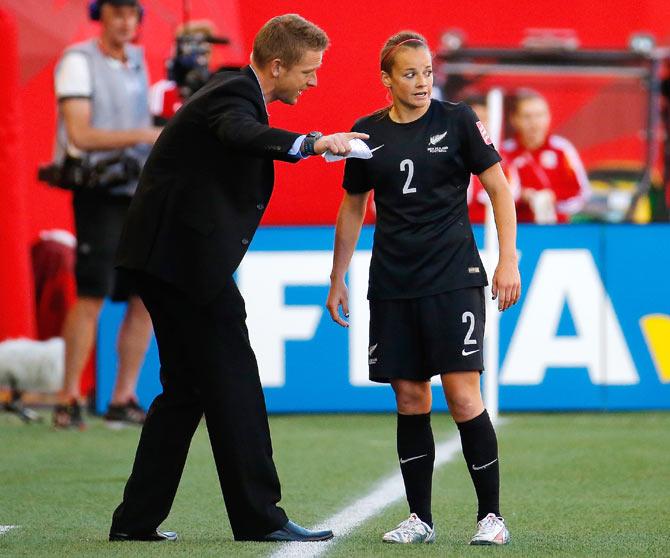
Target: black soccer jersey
{"type": "Point", "coordinates": [420, 171]}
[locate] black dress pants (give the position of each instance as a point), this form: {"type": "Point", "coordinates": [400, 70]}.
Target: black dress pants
{"type": "Point", "coordinates": [207, 366]}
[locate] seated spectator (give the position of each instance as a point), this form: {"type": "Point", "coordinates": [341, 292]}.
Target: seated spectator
{"type": "Point", "coordinates": [544, 170]}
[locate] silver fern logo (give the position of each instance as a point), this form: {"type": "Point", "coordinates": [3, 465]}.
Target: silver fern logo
{"type": "Point", "coordinates": [437, 138]}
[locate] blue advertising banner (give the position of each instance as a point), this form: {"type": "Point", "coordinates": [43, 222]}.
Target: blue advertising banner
{"type": "Point", "coordinates": [591, 331]}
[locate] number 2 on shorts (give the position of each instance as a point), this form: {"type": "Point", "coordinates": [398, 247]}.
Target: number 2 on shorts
{"type": "Point", "coordinates": [409, 164]}
{"type": "Point", "coordinates": [469, 317]}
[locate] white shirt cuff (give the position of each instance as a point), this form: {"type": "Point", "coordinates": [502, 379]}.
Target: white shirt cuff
{"type": "Point", "coordinates": [295, 150]}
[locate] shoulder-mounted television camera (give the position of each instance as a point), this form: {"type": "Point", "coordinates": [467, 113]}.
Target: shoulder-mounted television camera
{"type": "Point", "coordinates": [189, 67]}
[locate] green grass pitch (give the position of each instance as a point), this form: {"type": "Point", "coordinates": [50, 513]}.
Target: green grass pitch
{"type": "Point", "coordinates": [572, 485]}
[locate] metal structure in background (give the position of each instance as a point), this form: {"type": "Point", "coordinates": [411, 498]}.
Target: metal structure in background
{"type": "Point", "coordinates": [465, 66]}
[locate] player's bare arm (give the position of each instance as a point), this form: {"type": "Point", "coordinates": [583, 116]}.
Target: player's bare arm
{"type": "Point", "coordinates": [348, 228]}
{"type": "Point", "coordinates": [506, 284]}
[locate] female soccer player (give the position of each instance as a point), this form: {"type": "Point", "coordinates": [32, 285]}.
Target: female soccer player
{"type": "Point", "coordinates": [426, 279]}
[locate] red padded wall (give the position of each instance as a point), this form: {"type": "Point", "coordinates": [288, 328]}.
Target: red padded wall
{"type": "Point", "coordinates": [16, 300]}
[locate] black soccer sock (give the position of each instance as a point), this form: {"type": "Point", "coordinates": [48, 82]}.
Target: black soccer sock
{"type": "Point", "coordinates": [416, 452]}
{"type": "Point", "coordinates": [480, 449]}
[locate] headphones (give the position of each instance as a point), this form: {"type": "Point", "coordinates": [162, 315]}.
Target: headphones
{"type": "Point", "coordinates": [95, 5]}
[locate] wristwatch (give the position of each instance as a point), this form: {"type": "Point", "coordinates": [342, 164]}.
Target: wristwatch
{"type": "Point", "coordinates": [307, 147]}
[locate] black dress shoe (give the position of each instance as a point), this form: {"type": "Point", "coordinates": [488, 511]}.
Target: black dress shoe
{"type": "Point", "coordinates": [294, 533]}
{"type": "Point", "coordinates": [154, 536]}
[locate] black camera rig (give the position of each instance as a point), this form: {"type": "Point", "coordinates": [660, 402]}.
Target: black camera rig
{"type": "Point", "coordinates": [76, 173]}
{"type": "Point", "coordinates": [189, 67]}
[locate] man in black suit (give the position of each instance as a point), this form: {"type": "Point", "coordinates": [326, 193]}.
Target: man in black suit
{"type": "Point", "coordinates": [201, 197]}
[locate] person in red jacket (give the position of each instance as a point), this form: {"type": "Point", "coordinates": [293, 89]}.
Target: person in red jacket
{"type": "Point", "coordinates": [544, 170]}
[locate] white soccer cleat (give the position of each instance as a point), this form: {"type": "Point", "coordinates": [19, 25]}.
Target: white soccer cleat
{"type": "Point", "coordinates": [411, 531]}
{"type": "Point", "coordinates": [491, 530]}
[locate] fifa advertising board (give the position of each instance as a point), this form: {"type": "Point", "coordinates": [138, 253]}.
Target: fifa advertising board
{"type": "Point", "coordinates": [590, 332]}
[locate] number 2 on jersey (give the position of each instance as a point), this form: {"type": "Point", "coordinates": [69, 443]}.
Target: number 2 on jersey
{"type": "Point", "coordinates": [469, 317]}
{"type": "Point", "coordinates": [409, 164]}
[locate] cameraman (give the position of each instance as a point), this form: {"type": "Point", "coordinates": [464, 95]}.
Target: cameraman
{"type": "Point", "coordinates": [103, 121]}
{"type": "Point", "coordinates": [187, 69]}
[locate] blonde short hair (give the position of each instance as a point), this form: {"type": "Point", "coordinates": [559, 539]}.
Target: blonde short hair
{"type": "Point", "coordinates": [287, 37]}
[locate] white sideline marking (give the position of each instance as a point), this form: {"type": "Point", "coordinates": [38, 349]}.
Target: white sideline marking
{"type": "Point", "coordinates": [385, 493]}
{"type": "Point", "coordinates": [5, 528]}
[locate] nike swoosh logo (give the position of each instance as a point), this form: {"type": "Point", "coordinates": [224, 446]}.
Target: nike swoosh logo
{"type": "Point", "coordinates": [403, 461]}
{"type": "Point", "coordinates": [375, 149]}
{"type": "Point", "coordinates": [475, 468]}
{"type": "Point", "coordinates": [468, 353]}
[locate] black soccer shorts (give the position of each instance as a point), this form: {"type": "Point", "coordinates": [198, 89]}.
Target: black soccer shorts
{"type": "Point", "coordinates": [415, 339]}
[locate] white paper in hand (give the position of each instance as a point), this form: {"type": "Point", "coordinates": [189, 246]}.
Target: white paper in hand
{"type": "Point", "coordinates": [359, 150]}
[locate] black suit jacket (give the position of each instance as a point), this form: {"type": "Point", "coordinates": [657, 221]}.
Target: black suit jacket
{"type": "Point", "coordinates": [205, 187]}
